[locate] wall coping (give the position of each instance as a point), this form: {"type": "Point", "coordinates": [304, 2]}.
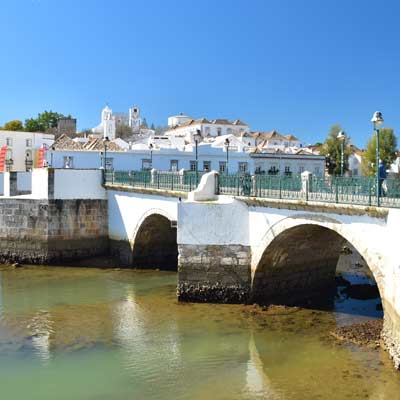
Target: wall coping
{"type": "Point", "coordinates": [156, 192]}
{"type": "Point", "coordinates": [341, 209]}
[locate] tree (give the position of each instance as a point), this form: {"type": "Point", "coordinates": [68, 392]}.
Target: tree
{"type": "Point", "coordinates": [152, 127]}
{"type": "Point", "coordinates": [387, 151]}
{"type": "Point", "coordinates": [33, 125]}
{"type": "Point", "coordinates": [15, 125]}
{"type": "Point", "coordinates": [144, 123]}
{"type": "Point", "coordinates": [123, 131]}
{"type": "Point", "coordinates": [45, 122]}
{"type": "Point", "coordinates": [332, 149]}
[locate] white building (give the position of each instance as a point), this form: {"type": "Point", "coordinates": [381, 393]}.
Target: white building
{"type": "Point", "coordinates": [188, 128]}
{"type": "Point", "coordinates": [167, 157]}
{"type": "Point", "coordinates": [110, 121]}
{"type": "Point", "coordinates": [354, 161]}
{"type": "Point", "coordinates": [21, 151]}
{"type": "Point", "coordinates": [274, 140]}
{"type": "Point", "coordinates": [107, 126]}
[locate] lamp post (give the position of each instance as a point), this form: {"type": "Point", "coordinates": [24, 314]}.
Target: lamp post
{"type": "Point", "coordinates": [377, 120]}
{"type": "Point", "coordinates": [197, 138]}
{"type": "Point", "coordinates": [151, 155]}
{"type": "Point", "coordinates": [342, 138]}
{"type": "Point", "coordinates": [105, 141]}
{"type": "Point", "coordinates": [52, 148]}
{"type": "Point", "coordinates": [226, 144]}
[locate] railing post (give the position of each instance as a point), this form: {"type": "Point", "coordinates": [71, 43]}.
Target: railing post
{"type": "Point", "coordinates": [182, 173]}
{"type": "Point", "coordinates": [305, 182]}
{"type": "Point", "coordinates": [337, 190]}
{"type": "Point", "coordinates": [369, 192]}
{"type": "Point", "coordinates": [280, 187]}
{"type": "Point", "coordinates": [254, 185]}
{"type": "Point", "coordinates": [153, 174]}
{"type": "Point", "coordinates": [172, 181]}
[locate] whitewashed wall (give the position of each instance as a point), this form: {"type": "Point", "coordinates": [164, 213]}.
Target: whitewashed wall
{"type": "Point", "coordinates": [132, 160]}
{"type": "Point", "coordinates": [40, 183]}
{"type": "Point", "coordinates": [1, 184]}
{"type": "Point", "coordinates": [223, 222]}
{"type": "Point", "coordinates": [78, 184]}
{"type": "Point", "coordinates": [127, 211]}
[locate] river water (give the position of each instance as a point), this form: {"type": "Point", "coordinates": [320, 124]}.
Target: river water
{"type": "Point", "coordinates": [85, 333]}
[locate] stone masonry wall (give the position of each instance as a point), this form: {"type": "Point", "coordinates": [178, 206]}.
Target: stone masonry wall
{"type": "Point", "coordinates": [23, 230]}
{"type": "Point", "coordinates": [212, 273]}
{"type": "Point", "coordinates": [391, 333]}
{"type": "Point", "coordinates": [52, 231]}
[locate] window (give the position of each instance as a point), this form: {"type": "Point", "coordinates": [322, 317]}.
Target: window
{"type": "Point", "coordinates": [301, 169]}
{"type": "Point", "coordinates": [207, 130]}
{"type": "Point", "coordinates": [28, 142]}
{"type": "Point", "coordinates": [273, 170]}
{"type": "Point", "coordinates": [174, 165]}
{"type": "Point", "coordinates": [229, 131]}
{"type": "Point", "coordinates": [146, 164]}
{"type": "Point", "coordinates": [355, 172]}
{"type": "Point", "coordinates": [193, 165]}
{"type": "Point", "coordinates": [287, 169]}
{"type": "Point", "coordinates": [222, 167]}
{"type": "Point", "coordinates": [68, 162]}
{"type": "Point", "coordinates": [9, 141]}
{"type": "Point", "coordinates": [316, 171]}
{"type": "Point", "coordinates": [206, 166]}
{"type": "Point", "coordinates": [219, 131]}
{"type": "Point", "coordinates": [243, 167]}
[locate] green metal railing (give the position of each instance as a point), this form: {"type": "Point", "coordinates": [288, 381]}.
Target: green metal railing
{"type": "Point", "coordinates": [342, 190]}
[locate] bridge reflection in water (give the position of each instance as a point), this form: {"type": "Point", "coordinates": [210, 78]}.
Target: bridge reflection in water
{"type": "Point", "coordinates": [128, 327]}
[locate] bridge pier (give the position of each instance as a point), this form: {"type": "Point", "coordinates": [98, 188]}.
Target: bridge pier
{"type": "Point", "coordinates": [214, 273]}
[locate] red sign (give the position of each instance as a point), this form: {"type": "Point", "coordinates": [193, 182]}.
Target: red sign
{"type": "Point", "coordinates": [3, 154]}
{"type": "Point", "coordinates": [42, 157]}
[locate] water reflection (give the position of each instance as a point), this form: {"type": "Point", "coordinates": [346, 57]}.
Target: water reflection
{"type": "Point", "coordinates": [128, 327]}
{"type": "Point", "coordinates": [258, 383]}
{"type": "Point", "coordinates": [40, 327]}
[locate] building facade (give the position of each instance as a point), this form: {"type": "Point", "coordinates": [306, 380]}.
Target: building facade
{"type": "Point", "coordinates": [21, 151]}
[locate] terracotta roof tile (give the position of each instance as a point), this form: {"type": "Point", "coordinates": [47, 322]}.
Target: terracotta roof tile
{"type": "Point", "coordinates": [64, 142]}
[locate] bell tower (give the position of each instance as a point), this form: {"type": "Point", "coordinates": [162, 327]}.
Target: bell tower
{"type": "Point", "coordinates": [134, 119]}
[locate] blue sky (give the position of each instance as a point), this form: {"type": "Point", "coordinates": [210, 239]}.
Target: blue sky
{"type": "Point", "coordinates": [294, 66]}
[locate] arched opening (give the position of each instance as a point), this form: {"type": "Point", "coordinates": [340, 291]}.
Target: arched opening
{"type": "Point", "coordinates": [299, 267]}
{"type": "Point", "coordinates": [155, 244]}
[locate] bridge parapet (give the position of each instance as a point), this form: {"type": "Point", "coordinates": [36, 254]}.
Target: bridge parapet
{"type": "Point", "coordinates": [306, 188]}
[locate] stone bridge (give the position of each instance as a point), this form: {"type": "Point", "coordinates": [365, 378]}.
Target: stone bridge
{"type": "Point", "coordinates": [241, 249]}
{"type": "Point", "coordinates": [226, 249]}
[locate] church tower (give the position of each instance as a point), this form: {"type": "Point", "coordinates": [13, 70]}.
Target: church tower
{"type": "Point", "coordinates": [134, 119]}
{"type": "Point", "coordinates": [108, 122]}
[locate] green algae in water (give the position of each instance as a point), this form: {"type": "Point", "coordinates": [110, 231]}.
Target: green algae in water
{"type": "Point", "coordinates": [80, 333]}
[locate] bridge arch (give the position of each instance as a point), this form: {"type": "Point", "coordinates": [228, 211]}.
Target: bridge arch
{"type": "Point", "coordinates": [298, 256]}
{"type": "Point", "coordinates": [154, 244]}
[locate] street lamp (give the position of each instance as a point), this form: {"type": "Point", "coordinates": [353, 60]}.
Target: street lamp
{"type": "Point", "coordinates": [226, 144]}
{"type": "Point", "coordinates": [342, 138]}
{"type": "Point", "coordinates": [377, 119]}
{"type": "Point", "coordinates": [197, 138]}
{"type": "Point", "coordinates": [52, 148]}
{"type": "Point", "coordinates": [151, 155]}
{"type": "Point", "coordinates": [105, 141]}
